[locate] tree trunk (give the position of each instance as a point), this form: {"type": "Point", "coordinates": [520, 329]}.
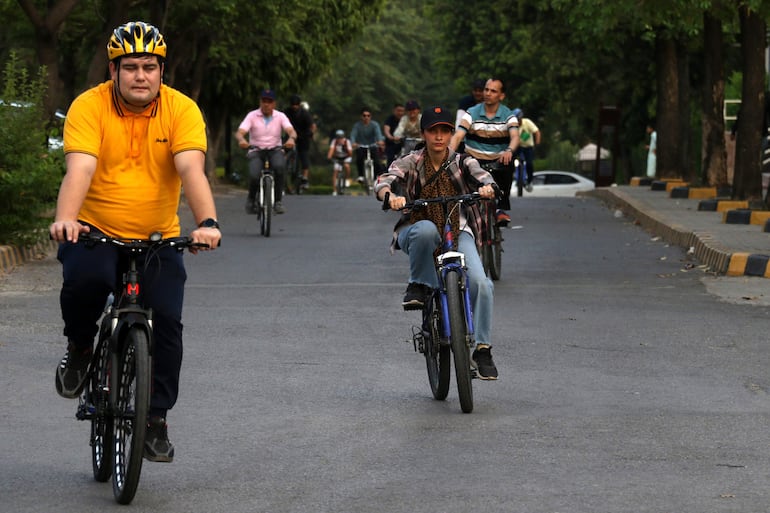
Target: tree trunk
{"type": "Point", "coordinates": [747, 183]}
{"type": "Point", "coordinates": [47, 45]}
{"type": "Point", "coordinates": [668, 118]}
{"type": "Point", "coordinates": [684, 157]}
{"type": "Point", "coordinates": [713, 152]}
{"type": "Point", "coordinates": [97, 69]}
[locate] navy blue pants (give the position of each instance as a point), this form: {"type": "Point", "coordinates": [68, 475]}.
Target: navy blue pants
{"type": "Point", "coordinates": [91, 273]}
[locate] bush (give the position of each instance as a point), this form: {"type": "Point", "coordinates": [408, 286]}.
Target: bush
{"type": "Point", "coordinates": [29, 173]}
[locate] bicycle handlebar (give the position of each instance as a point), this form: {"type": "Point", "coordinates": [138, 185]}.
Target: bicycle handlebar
{"type": "Point", "coordinates": [156, 240]}
{"type": "Point", "coordinates": [257, 148]}
{"type": "Point", "coordinates": [470, 199]}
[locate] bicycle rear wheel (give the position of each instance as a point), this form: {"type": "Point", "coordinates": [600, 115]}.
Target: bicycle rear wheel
{"type": "Point", "coordinates": [495, 249]}
{"type": "Point", "coordinates": [436, 356]}
{"type": "Point", "coordinates": [132, 402]}
{"type": "Point", "coordinates": [265, 205]}
{"type": "Point", "coordinates": [102, 427]}
{"type": "Point", "coordinates": [520, 179]}
{"type": "Point", "coordinates": [340, 185]}
{"type": "Point", "coordinates": [295, 172]}
{"type": "Point", "coordinates": [458, 339]}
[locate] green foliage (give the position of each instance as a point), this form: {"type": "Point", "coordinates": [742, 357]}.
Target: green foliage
{"type": "Point", "coordinates": [393, 60]}
{"type": "Point", "coordinates": [29, 173]}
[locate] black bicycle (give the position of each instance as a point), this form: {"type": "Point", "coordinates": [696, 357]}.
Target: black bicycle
{"type": "Point", "coordinates": [294, 171]}
{"type": "Point", "coordinates": [116, 398]}
{"type": "Point", "coordinates": [447, 318]}
{"type": "Point", "coordinates": [492, 236]}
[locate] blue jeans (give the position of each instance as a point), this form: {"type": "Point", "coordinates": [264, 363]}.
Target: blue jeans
{"type": "Point", "coordinates": [420, 240]}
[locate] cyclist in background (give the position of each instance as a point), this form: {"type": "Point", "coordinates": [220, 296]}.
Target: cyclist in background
{"type": "Point", "coordinates": [340, 150]}
{"type": "Point", "coordinates": [366, 132]}
{"type": "Point", "coordinates": [491, 134]}
{"type": "Point", "coordinates": [433, 171]}
{"type": "Point", "coordinates": [302, 121]}
{"type": "Point", "coordinates": [265, 127]}
{"type": "Point", "coordinates": [392, 146]}
{"type": "Point", "coordinates": [529, 137]}
{"type": "Point", "coordinates": [129, 187]}
{"type": "Point", "coordinates": [408, 131]}
{"type": "Point", "coordinates": [466, 102]}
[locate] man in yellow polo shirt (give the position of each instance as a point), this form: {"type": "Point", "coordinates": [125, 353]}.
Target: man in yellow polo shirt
{"type": "Point", "coordinates": [131, 145]}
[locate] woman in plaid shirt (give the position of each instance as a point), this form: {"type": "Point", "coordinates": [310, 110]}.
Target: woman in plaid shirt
{"type": "Point", "coordinates": [430, 172]}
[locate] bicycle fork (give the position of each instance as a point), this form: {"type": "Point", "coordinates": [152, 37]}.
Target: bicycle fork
{"type": "Point", "coordinates": [468, 311]}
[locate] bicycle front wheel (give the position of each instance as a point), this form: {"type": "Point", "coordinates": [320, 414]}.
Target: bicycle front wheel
{"type": "Point", "coordinates": [459, 339]}
{"type": "Point", "coordinates": [436, 357]}
{"type": "Point", "coordinates": [102, 427]}
{"type": "Point", "coordinates": [369, 176]}
{"type": "Point", "coordinates": [132, 402]}
{"type": "Point", "coordinates": [266, 205]}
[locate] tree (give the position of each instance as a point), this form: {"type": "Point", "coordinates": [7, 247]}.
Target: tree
{"type": "Point", "coordinates": [747, 178]}
{"type": "Point", "coordinates": [46, 25]}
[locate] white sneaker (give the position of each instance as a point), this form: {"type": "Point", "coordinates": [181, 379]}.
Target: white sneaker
{"type": "Point", "coordinates": [529, 187]}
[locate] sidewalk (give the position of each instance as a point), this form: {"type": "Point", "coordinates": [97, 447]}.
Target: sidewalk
{"type": "Point", "coordinates": [727, 248]}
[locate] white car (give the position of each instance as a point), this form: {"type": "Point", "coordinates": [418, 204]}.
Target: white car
{"type": "Point", "coordinates": [556, 183]}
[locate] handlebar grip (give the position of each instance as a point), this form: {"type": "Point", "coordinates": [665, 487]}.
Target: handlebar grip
{"type": "Point", "coordinates": [386, 201]}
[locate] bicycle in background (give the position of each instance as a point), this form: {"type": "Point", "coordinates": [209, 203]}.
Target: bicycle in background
{"type": "Point", "coordinates": [340, 175]}
{"type": "Point", "coordinates": [447, 318]}
{"type": "Point", "coordinates": [265, 200]}
{"type": "Point", "coordinates": [520, 177]}
{"type": "Point", "coordinates": [369, 156]}
{"type": "Point", "coordinates": [296, 183]}
{"type": "Point", "coordinates": [492, 235]}
{"type": "Point", "coordinates": [116, 398]}
{"type": "Point", "coordinates": [409, 144]}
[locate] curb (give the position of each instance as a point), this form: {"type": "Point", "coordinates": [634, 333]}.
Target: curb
{"type": "Point", "coordinates": [706, 249]}
{"type": "Point", "coordinates": [12, 256]}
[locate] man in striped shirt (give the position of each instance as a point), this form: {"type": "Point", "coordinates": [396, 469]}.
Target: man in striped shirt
{"type": "Point", "coordinates": [491, 134]}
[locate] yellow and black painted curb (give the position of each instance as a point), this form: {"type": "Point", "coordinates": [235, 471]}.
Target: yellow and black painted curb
{"type": "Point", "coordinates": [721, 205]}
{"type": "Point", "coordinates": [694, 192]}
{"type": "Point", "coordinates": [12, 256]}
{"type": "Point", "coordinates": [749, 264]}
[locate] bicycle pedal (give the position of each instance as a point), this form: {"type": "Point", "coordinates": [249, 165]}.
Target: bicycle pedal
{"type": "Point", "coordinates": [474, 373]}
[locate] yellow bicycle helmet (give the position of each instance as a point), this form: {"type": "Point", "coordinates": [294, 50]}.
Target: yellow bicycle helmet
{"type": "Point", "coordinates": [136, 37]}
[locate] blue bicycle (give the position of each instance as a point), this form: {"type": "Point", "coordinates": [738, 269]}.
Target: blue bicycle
{"type": "Point", "coordinates": [447, 318]}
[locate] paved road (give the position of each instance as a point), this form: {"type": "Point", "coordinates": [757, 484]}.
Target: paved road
{"type": "Point", "coordinates": [626, 386]}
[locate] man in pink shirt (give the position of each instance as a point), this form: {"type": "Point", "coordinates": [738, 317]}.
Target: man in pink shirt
{"type": "Point", "coordinates": [265, 128]}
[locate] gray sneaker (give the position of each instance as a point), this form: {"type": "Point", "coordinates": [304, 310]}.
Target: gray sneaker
{"type": "Point", "coordinates": [72, 370]}
{"type": "Point", "coordinates": [157, 446]}
{"type": "Point", "coordinates": [278, 208]}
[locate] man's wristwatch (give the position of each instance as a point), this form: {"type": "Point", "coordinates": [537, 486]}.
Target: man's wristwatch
{"type": "Point", "coordinates": [209, 223]}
